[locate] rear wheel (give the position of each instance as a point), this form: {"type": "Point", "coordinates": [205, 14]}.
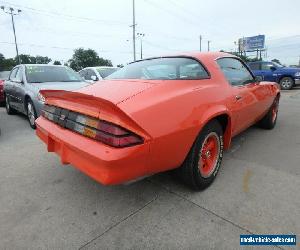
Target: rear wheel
{"type": "Point", "coordinates": [31, 114]}
{"type": "Point", "coordinates": [270, 119]}
{"type": "Point", "coordinates": [204, 159]}
{"type": "Point", "coordinates": [9, 109]}
{"type": "Point", "coordinates": [286, 83]}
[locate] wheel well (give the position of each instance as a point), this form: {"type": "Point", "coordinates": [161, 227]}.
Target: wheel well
{"type": "Point", "coordinates": [26, 99]}
{"type": "Point", "coordinates": [225, 122]}
{"type": "Point", "coordinates": [279, 79]}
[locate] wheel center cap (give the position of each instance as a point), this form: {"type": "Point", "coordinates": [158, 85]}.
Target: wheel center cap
{"type": "Point", "coordinates": [207, 154]}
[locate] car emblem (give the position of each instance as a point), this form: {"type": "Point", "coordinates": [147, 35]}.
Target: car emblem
{"type": "Point", "coordinates": [62, 117]}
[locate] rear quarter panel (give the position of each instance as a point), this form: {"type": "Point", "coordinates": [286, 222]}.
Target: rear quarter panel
{"type": "Point", "coordinates": [174, 113]}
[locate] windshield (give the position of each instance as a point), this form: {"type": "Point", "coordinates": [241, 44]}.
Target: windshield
{"type": "Point", "coordinates": [40, 74]}
{"type": "Point", "coordinates": [168, 68]}
{"type": "Point", "coordinates": [4, 75]}
{"type": "Point", "coordinates": [104, 72]}
{"type": "Point", "coordinates": [277, 65]}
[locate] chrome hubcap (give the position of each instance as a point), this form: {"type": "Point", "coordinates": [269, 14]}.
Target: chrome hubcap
{"type": "Point", "coordinates": [286, 83]}
{"type": "Point", "coordinates": [30, 114]}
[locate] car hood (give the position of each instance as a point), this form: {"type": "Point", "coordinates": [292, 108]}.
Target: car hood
{"type": "Point", "coordinates": [117, 91]}
{"type": "Point", "coordinates": [289, 69]}
{"type": "Point", "coordinates": [60, 85]}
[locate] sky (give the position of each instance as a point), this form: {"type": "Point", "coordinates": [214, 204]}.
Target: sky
{"type": "Point", "coordinates": [54, 28]}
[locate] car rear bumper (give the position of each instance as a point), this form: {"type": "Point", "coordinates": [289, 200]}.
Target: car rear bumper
{"type": "Point", "coordinates": [103, 163]}
{"type": "Point", "coordinates": [297, 81]}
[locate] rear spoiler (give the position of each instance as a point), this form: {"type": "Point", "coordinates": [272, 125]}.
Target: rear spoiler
{"type": "Point", "coordinates": [92, 106]}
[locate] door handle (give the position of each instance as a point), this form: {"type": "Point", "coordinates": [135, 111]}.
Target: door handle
{"type": "Point", "coordinates": [238, 97]}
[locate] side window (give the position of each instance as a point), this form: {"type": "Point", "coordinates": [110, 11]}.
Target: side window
{"type": "Point", "coordinates": [254, 66]}
{"type": "Point", "coordinates": [90, 73]}
{"type": "Point", "coordinates": [13, 74]}
{"type": "Point", "coordinates": [235, 71]}
{"type": "Point", "coordinates": [19, 75]}
{"type": "Point", "coordinates": [267, 66]}
{"type": "Point", "coordinates": [82, 73]}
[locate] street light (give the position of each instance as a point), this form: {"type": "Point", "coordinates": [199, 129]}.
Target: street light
{"type": "Point", "coordinates": [141, 35]}
{"type": "Point", "coordinates": [12, 12]}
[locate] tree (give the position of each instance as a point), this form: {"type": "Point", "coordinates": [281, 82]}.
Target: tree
{"type": "Point", "coordinates": [42, 60]}
{"type": "Point", "coordinates": [27, 59]}
{"type": "Point", "coordinates": [56, 63]}
{"type": "Point", "coordinates": [83, 58]}
{"type": "Point", "coordinates": [6, 63]}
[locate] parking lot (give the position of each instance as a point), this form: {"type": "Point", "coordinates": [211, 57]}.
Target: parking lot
{"type": "Point", "coordinates": [47, 205]}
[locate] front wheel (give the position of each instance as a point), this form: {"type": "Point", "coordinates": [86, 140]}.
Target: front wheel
{"type": "Point", "coordinates": [31, 114]}
{"type": "Point", "coordinates": [9, 109]}
{"type": "Point", "coordinates": [270, 119]}
{"type": "Point", "coordinates": [286, 83]}
{"type": "Point", "coordinates": [204, 159]}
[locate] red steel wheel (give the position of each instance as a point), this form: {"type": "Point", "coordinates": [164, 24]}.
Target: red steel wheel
{"type": "Point", "coordinates": [209, 155]}
{"type": "Point", "coordinates": [275, 110]}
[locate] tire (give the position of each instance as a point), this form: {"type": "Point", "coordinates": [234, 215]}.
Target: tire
{"type": "Point", "coordinates": [270, 119]}
{"type": "Point", "coordinates": [9, 109]}
{"type": "Point", "coordinates": [286, 83]}
{"type": "Point", "coordinates": [31, 114]}
{"type": "Point", "coordinates": [200, 169]}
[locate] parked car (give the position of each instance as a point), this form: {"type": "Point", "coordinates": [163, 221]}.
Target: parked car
{"type": "Point", "coordinates": [287, 77]}
{"type": "Point", "coordinates": [3, 76]}
{"type": "Point", "coordinates": [158, 114]}
{"type": "Point", "coordinates": [93, 74]}
{"type": "Point", "coordinates": [21, 90]}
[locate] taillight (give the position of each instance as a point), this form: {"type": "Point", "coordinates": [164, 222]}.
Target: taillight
{"type": "Point", "coordinates": [106, 132]}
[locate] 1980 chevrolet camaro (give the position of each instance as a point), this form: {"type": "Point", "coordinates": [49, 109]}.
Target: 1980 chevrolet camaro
{"type": "Point", "coordinates": [175, 112]}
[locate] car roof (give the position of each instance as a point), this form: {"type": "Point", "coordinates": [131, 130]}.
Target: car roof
{"type": "Point", "coordinates": [32, 64]}
{"type": "Point", "coordinates": [202, 56]}
{"type": "Point", "coordinates": [101, 67]}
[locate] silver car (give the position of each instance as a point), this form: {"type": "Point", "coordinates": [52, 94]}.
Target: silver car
{"type": "Point", "coordinates": [21, 90]}
{"type": "Point", "coordinates": [93, 74]}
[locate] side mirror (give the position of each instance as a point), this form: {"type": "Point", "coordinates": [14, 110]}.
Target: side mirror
{"type": "Point", "coordinates": [94, 78]}
{"type": "Point", "coordinates": [272, 68]}
{"type": "Point", "coordinates": [258, 78]}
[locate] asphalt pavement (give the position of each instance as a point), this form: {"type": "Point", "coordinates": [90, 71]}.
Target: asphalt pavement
{"type": "Point", "coordinates": [45, 205]}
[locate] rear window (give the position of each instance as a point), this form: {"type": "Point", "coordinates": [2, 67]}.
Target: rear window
{"type": "Point", "coordinates": [167, 68]}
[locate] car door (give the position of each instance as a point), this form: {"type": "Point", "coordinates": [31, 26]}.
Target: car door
{"type": "Point", "coordinates": [243, 101]}
{"type": "Point", "coordinates": [267, 71]}
{"type": "Point", "coordinates": [19, 90]}
{"type": "Point", "coordinates": [10, 87]}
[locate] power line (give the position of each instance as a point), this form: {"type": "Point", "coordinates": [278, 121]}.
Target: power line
{"type": "Point", "coordinates": [80, 18]}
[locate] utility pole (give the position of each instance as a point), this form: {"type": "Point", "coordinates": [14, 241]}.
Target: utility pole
{"type": "Point", "coordinates": [200, 40]}
{"type": "Point", "coordinates": [13, 12]}
{"type": "Point", "coordinates": [133, 29]}
{"type": "Point", "coordinates": [208, 42]}
{"type": "Point", "coordinates": [141, 35]}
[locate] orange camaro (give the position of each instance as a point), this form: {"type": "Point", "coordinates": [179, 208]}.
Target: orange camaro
{"type": "Point", "coordinates": [158, 114]}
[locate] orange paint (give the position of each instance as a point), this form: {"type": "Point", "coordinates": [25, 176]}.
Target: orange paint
{"type": "Point", "coordinates": [167, 114]}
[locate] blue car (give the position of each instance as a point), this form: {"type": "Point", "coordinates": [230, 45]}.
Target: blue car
{"type": "Point", "coordinates": [274, 72]}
